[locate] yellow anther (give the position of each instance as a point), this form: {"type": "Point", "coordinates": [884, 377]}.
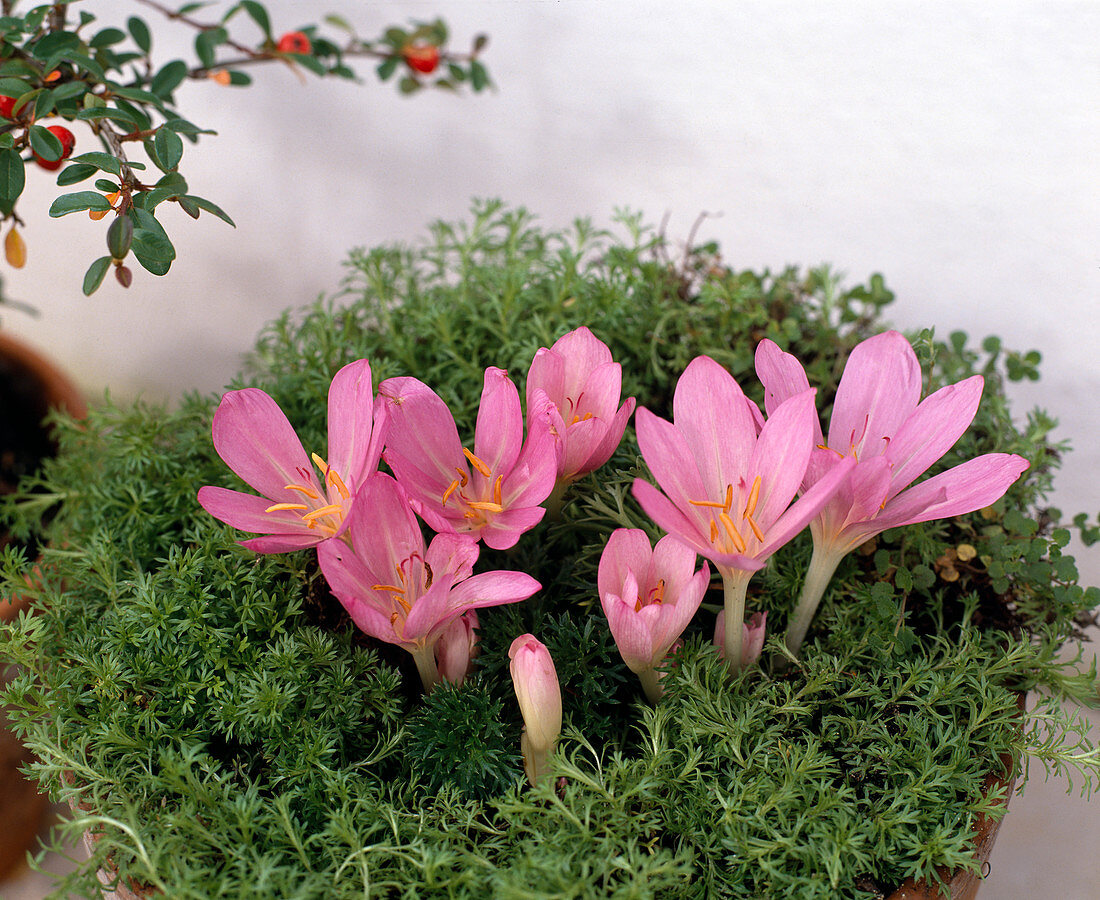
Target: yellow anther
{"type": "Point", "coordinates": [477, 463]}
{"type": "Point", "coordinates": [659, 592]}
{"type": "Point", "coordinates": [731, 530]}
{"type": "Point", "coordinates": [709, 503]}
{"type": "Point", "coordinates": [463, 478]}
{"type": "Point", "coordinates": [498, 488]}
{"type": "Point", "coordinates": [303, 489]}
{"type": "Point", "coordinates": [713, 531]}
{"type": "Point", "coordinates": [728, 505]}
{"type": "Point", "coordinates": [447, 493]}
{"type": "Point", "coordinates": [323, 511]}
{"type": "Point", "coordinates": [750, 507]}
{"type": "Point", "coordinates": [392, 588]}
{"type": "Point", "coordinates": [755, 529]}
{"type": "Point", "coordinates": [320, 463]}
{"type": "Point", "coordinates": [279, 507]}
{"type": "Point", "coordinates": [831, 450]}
{"type": "Point", "coordinates": [335, 479]}
{"type": "Point", "coordinates": [485, 505]}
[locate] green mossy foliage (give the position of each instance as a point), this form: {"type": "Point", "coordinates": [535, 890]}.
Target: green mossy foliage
{"type": "Point", "coordinates": [223, 728]}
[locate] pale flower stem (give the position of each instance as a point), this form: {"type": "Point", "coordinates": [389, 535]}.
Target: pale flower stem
{"type": "Point", "coordinates": [554, 501]}
{"type": "Point", "coordinates": [823, 564]}
{"type": "Point", "coordinates": [735, 584]}
{"type": "Point", "coordinates": [534, 759]}
{"type": "Point", "coordinates": [425, 665]}
{"type": "Point", "coordinates": [651, 684]}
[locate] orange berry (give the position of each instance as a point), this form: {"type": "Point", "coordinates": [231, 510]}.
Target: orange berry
{"type": "Point", "coordinates": [221, 76]}
{"type": "Point", "coordinates": [15, 249]}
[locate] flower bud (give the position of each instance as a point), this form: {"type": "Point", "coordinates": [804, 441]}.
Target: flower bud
{"type": "Point", "coordinates": [752, 641]}
{"type": "Point", "coordinates": [456, 649]}
{"type": "Point", "coordinates": [539, 695]}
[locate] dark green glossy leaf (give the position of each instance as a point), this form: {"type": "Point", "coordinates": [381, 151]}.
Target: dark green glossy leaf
{"type": "Point", "coordinates": [45, 143]}
{"type": "Point", "coordinates": [43, 104]}
{"type": "Point", "coordinates": [169, 147]}
{"type": "Point", "coordinates": [309, 62]}
{"type": "Point", "coordinates": [139, 31]}
{"type": "Point", "coordinates": [169, 78]}
{"type": "Point", "coordinates": [211, 208]}
{"type": "Point", "coordinates": [87, 64]}
{"type": "Point", "coordinates": [239, 79]}
{"type": "Point", "coordinates": [387, 67]}
{"type": "Point", "coordinates": [138, 96]}
{"type": "Point", "coordinates": [479, 77]}
{"type": "Point", "coordinates": [78, 202]}
{"type": "Point", "coordinates": [182, 126]}
{"type": "Point", "coordinates": [258, 14]}
{"type": "Point", "coordinates": [102, 184]}
{"type": "Point", "coordinates": [205, 44]}
{"type": "Point", "coordinates": [100, 160]}
{"type": "Point", "coordinates": [192, 209]}
{"type": "Point", "coordinates": [73, 174]}
{"type": "Point", "coordinates": [13, 175]}
{"type": "Point", "coordinates": [68, 90]}
{"type": "Point", "coordinates": [13, 87]}
{"type": "Point", "coordinates": [107, 37]}
{"type": "Point", "coordinates": [93, 278]}
{"type": "Point", "coordinates": [55, 42]}
{"type": "Point", "coordinates": [153, 250]}
{"type": "Point", "coordinates": [115, 115]}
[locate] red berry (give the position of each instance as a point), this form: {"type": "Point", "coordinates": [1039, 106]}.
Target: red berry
{"type": "Point", "coordinates": [294, 42]}
{"type": "Point", "coordinates": [67, 143]}
{"type": "Point", "coordinates": [421, 57]}
{"type": "Point", "coordinates": [7, 107]}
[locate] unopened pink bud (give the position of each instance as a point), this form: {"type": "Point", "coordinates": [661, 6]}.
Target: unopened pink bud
{"type": "Point", "coordinates": [539, 695]}
{"type": "Point", "coordinates": [457, 648]}
{"type": "Point", "coordinates": [753, 634]}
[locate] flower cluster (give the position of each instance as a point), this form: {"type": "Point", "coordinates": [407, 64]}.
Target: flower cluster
{"type": "Point", "coordinates": [733, 485]}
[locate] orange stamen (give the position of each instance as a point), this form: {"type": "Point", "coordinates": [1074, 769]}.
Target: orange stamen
{"type": "Point", "coordinates": [320, 463]}
{"type": "Point", "coordinates": [713, 531]}
{"type": "Point", "coordinates": [334, 478]}
{"type": "Point", "coordinates": [485, 505]}
{"type": "Point", "coordinates": [477, 463]}
{"type": "Point", "coordinates": [323, 511]}
{"type": "Point", "coordinates": [303, 489]}
{"type": "Point", "coordinates": [754, 496]}
{"type": "Point", "coordinates": [447, 493]}
{"type": "Point", "coordinates": [279, 507]}
{"type": "Point", "coordinates": [755, 529]}
{"type": "Point", "coordinates": [709, 503]}
{"type": "Point", "coordinates": [497, 491]}
{"type": "Point", "coordinates": [731, 530]}
{"type": "Point", "coordinates": [392, 588]}
{"type": "Point", "coordinates": [830, 449]}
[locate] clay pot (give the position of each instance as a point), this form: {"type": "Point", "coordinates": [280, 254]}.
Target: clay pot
{"type": "Point", "coordinates": [43, 387]}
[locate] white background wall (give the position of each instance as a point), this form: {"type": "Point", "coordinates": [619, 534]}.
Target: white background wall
{"type": "Point", "coordinates": [952, 146]}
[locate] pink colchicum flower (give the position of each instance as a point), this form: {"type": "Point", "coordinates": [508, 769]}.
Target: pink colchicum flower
{"type": "Point", "coordinates": [584, 384]}
{"type": "Point", "coordinates": [400, 592]}
{"type": "Point", "coordinates": [880, 424]}
{"type": "Point", "coordinates": [457, 648]}
{"type": "Point", "coordinates": [727, 487]}
{"type": "Point", "coordinates": [649, 596]}
{"type": "Point", "coordinates": [297, 509]}
{"type": "Point", "coordinates": [752, 638]}
{"type": "Point", "coordinates": [492, 493]}
{"type": "Point", "coordinates": [539, 694]}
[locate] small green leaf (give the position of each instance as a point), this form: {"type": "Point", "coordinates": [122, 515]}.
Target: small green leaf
{"type": "Point", "coordinates": [115, 115]}
{"type": "Point", "coordinates": [154, 251]}
{"type": "Point", "coordinates": [205, 44]}
{"type": "Point", "coordinates": [107, 37]}
{"type": "Point", "coordinates": [408, 85]}
{"type": "Point", "coordinates": [93, 278]}
{"type": "Point", "coordinates": [102, 184]}
{"type": "Point", "coordinates": [78, 202]}
{"type": "Point", "coordinates": [339, 22]}
{"type": "Point", "coordinates": [55, 42]}
{"type": "Point", "coordinates": [387, 67]}
{"type": "Point", "coordinates": [13, 177]}
{"type": "Point", "coordinates": [139, 31]}
{"type": "Point", "coordinates": [73, 174]}
{"type": "Point", "coordinates": [211, 208]}
{"type": "Point", "coordinates": [100, 160]}
{"type": "Point", "coordinates": [45, 143]}
{"type": "Point", "coordinates": [258, 14]}
{"type": "Point", "coordinates": [479, 77]}
{"type": "Point", "coordinates": [169, 78]}
{"type": "Point", "coordinates": [69, 90]}
{"type": "Point", "coordinates": [239, 79]}
{"type": "Point", "coordinates": [309, 62]}
{"type": "Point", "coordinates": [43, 104]}
{"type": "Point", "coordinates": [192, 209]}
{"type": "Point", "coordinates": [169, 147]}
{"type": "Point", "coordinates": [182, 126]}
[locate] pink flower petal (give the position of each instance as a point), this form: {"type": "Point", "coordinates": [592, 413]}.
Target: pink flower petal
{"type": "Point", "coordinates": [878, 391]}
{"type": "Point", "coordinates": [547, 373]}
{"type": "Point", "coordinates": [670, 458]}
{"type": "Point", "coordinates": [498, 434]}
{"type": "Point", "coordinates": [932, 430]}
{"type": "Point", "coordinates": [247, 512]}
{"type": "Point", "coordinates": [781, 456]}
{"type": "Point", "coordinates": [633, 639]}
{"type": "Point", "coordinates": [506, 528]}
{"type": "Point", "coordinates": [782, 376]}
{"type": "Point", "coordinates": [710, 412]}
{"type": "Point", "coordinates": [255, 439]}
{"type": "Point", "coordinates": [382, 527]}
{"type": "Point", "coordinates": [422, 433]}
{"type": "Point", "coordinates": [583, 353]}
{"type": "Point", "coordinates": [627, 550]}
{"type": "Point", "coordinates": [805, 508]}
{"type": "Point", "coordinates": [351, 423]}
{"type": "Point", "coordinates": [350, 581]}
